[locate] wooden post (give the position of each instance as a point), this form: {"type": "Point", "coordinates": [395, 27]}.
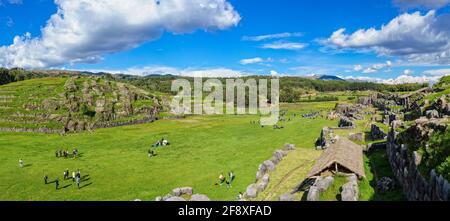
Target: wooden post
{"type": "Point", "coordinates": [336, 167]}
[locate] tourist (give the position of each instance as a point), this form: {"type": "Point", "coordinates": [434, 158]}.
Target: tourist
{"type": "Point", "coordinates": [20, 163]}
{"type": "Point", "coordinates": [60, 153]}
{"type": "Point", "coordinates": [78, 180]}
{"type": "Point", "coordinates": [149, 153]}
{"type": "Point", "coordinates": [65, 175]}
{"type": "Point", "coordinates": [46, 179]}
{"type": "Point", "coordinates": [57, 183]}
{"type": "Point", "coordinates": [73, 176]}
{"type": "Point", "coordinates": [56, 154]}
{"type": "Point", "coordinates": [78, 174]}
{"type": "Point", "coordinates": [231, 177]}
{"type": "Point", "coordinates": [221, 179]}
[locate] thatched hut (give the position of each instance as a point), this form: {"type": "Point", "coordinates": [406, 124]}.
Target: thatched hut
{"type": "Point", "coordinates": [343, 156]}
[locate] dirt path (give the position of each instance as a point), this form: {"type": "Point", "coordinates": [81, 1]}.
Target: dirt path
{"type": "Point", "coordinates": [283, 180]}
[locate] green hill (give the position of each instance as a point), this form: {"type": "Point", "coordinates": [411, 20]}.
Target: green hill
{"type": "Point", "coordinates": [68, 104]}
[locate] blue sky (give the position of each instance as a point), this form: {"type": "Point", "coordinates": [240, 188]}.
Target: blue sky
{"type": "Point", "coordinates": [255, 37]}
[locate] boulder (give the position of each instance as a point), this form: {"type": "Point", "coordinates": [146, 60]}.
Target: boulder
{"type": "Point", "coordinates": [186, 190]}
{"type": "Point", "coordinates": [322, 184]}
{"type": "Point", "coordinates": [385, 184]}
{"type": "Point", "coordinates": [252, 191]}
{"type": "Point", "coordinates": [262, 185]}
{"type": "Point", "coordinates": [345, 122]}
{"type": "Point", "coordinates": [269, 165]}
{"type": "Point", "coordinates": [376, 133]}
{"type": "Point", "coordinates": [176, 192]}
{"type": "Point", "coordinates": [289, 147]}
{"type": "Point", "coordinates": [262, 169]}
{"type": "Point", "coordinates": [432, 114]}
{"type": "Point", "coordinates": [313, 194]}
{"type": "Point", "coordinates": [175, 198]}
{"type": "Point", "coordinates": [356, 136]}
{"type": "Point", "coordinates": [158, 198]}
{"type": "Point", "coordinates": [277, 156]}
{"type": "Point", "coordinates": [199, 197]}
{"type": "Point", "coordinates": [287, 197]}
{"type": "Point", "coordinates": [350, 191]}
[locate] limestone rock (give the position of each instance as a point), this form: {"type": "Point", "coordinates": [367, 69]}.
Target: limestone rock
{"type": "Point", "coordinates": [313, 194]}
{"type": "Point", "coordinates": [287, 197]}
{"type": "Point", "coordinates": [199, 197]}
{"type": "Point", "coordinates": [252, 191]}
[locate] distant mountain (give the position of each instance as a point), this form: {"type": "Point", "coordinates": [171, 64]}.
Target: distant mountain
{"type": "Point", "coordinates": [325, 77]}
{"type": "Point", "coordinates": [330, 78]}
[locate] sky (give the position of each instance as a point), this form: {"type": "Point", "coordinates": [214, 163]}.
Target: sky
{"type": "Point", "coordinates": [389, 41]}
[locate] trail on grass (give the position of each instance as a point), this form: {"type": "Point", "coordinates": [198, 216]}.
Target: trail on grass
{"type": "Point", "coordinates": [284, 179]}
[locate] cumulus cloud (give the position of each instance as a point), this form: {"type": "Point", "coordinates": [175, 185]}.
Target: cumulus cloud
{"type": "Point", "coordinates": [284, 46]}
{"type": "Point", "coordinates": [437, 72]}
{"type": "Point", "coordinates": [251, 61]}
{"type": "Point", "coordinates": [358, 67]}
{"type": "Point", "coordinates": [272, 36]}
{"type": "Point", "coordinates": [430, 4]}
{"type": "Point", "coordinates": [256, 60]}
{"type": "Point", "coordinates": [402, 79]}
{"type": "Point", "coordinates": [408, 72]}
{"type": "Point", "coordinates": [84, 30]}
{"type": "Point", "coordinates": [377, 67]}
{"type": "Point", "coordinates": [418, 38]}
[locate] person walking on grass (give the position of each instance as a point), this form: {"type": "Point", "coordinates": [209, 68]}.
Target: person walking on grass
{"type": "Point", "coordinates": [221, 179]}
{"type": "Point", "coordinates": [78, 180]}
{"type": "Point", "coordinates": [21, 163]}
{"type": "Point", "coordinates": [57, 183]}
{"type": "Point", "coordinates": [73, 176]}
{"type": "Point", "coordinates": [231, 177]}
{"type": "Point", "coordinates": [56, 153]}
{"type": "Point", "coordinates": [46, 179]}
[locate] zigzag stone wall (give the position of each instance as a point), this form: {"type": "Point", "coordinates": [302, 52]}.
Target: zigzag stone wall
{"type": "Point", "coordinates": [415, 186]}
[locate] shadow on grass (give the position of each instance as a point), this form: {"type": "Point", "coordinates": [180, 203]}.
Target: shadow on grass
{"type": "Point", "coordinates": [380, 167]}
{"type": "Point", "coordinates": [63, 187]}
{"type": "Point", "coordinates": [27, 165]}
{"type": "Point", "coordinates": [85, 185]}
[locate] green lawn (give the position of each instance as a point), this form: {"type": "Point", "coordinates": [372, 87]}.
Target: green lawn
{"type": "Point", "coordinates": [118, 167]}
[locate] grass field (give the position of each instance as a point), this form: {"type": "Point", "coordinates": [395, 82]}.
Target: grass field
{"type": "Point", "coordinates": [116, 167]}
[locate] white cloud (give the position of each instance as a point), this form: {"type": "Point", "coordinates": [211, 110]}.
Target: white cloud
{"type": "Point", "coordinates": [408, 72]}
{"type": "Point", "coordinates": [438, 72]}
{"type": "Point", "coordinates": [377, 67]}
{"type": "Point", "coordinates": [431, 4]}
{"type": "Point", "coordinates": [418, 38]}
{"type": "Point", "coordinates": [274, 73]}
{"type": "Point", "coordinates": [272, 36]}
{"type": "Point", "coordinates": [358, 67]}
{"type": "Point", "coordinates": [251, 61]}
{"type": "Point", "coordinates": [84, 30]}
{"type": "Point", "coordinates": [403, 79]}
{"type": "Point", "coordinates": [284, 46]}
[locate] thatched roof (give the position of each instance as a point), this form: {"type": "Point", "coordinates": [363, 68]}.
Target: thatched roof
{"type": "Point", "coordinates": [345, 154]}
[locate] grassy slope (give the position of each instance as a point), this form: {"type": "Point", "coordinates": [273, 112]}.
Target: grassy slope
{"type": "Point", "coordinates": [35, 91]}
{"type": "Point", "coordinates": [118, 168]}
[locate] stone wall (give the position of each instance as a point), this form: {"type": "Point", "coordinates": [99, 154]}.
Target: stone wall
{"type": "Point", "coordinates": [415, 186]}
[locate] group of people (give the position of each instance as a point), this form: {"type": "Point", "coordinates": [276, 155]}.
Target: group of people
{"type": "Point", "coordinates": [76, 177]}
{"type": "Point", "coordinates": [161, 143]}
{"type": "Point", "coordinates": [65, 153]}
{"type": "Point", "coordinates": [223, 179]}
